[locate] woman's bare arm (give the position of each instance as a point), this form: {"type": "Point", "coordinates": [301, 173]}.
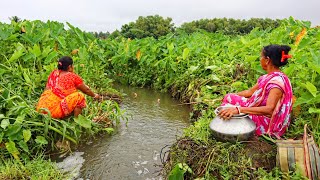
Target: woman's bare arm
{"type": "Point", "coordinates": [86, 90]}
{"type": "Point", "coordinates": [267, 110]}
{"type": "Point", "coordinates": [248, 93]}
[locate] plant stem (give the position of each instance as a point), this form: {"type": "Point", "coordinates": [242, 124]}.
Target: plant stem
{"type": "Point", "coordinates": [54, 129]}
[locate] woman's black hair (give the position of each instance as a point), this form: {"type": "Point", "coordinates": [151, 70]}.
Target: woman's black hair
{"type": "Point", "coordinates": [274, 52]}
{"type": "Point", "coordinates": [64, 63]}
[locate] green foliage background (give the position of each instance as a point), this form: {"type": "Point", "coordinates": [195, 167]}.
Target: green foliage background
{"type": "Point", "coordinates": [29, 52]}
{"type": "Point", "coordinates": [198, 68]}
{"type": "Point", "coordinates": [149, 26]}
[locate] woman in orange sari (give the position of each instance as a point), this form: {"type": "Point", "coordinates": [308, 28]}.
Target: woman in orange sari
{"type": "Point", "coordinates": [61, 96]}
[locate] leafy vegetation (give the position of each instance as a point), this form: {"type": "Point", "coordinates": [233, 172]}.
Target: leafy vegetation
{"type": "Point", "coordinates": [15, 18]}
{"type": "Point", "coordinates": [230, 26]}
{"type": "Point", "coordinates": [201, 68]}
{"type": "Point", "coordinates": [29, 52]}
{"type": "Point", "coordinates": [197, 68]}
{"type": "Point", "coordinates": [156, 26]}
{"type": "Point", "coordinates": [101, 34]}
{"type": "Point", "coordinates": [149, 26]}
{"type": "Point", "coordinates": [38, 168]}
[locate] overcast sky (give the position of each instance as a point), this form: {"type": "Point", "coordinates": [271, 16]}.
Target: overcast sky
{"type": "Point", "coordinates": [109, 15]}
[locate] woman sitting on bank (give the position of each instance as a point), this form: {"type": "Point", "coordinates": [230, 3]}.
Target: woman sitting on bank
{"type": "Point", "coordinates": [60, 96]}
{"type": "Point", "coordinates": [269, 102]}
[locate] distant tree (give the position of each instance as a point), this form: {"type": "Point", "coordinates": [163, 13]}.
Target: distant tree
{"type": "Point", "coordinates": [115, 34]}
{"type": "Point", "coordinates": [149, 26]}
{"type": "Point", "coordinates": [15, 18]}
{"type": "Point", "coordinates": [229, 26]}
{"type": "Point", "coordinates": [101, 35]}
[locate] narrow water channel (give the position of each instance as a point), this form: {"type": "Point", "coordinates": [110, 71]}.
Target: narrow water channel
{"type": "Point", "coordinates": [155, 120]}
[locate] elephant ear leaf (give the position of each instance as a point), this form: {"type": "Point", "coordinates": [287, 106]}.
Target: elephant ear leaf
{"type": "Point", "coordinates": [41, 140]}
{"type": "Point", "coordinates": [16, 55]}
{"type": "Point", "coordinates": [52, 55]}
{"type": "Point", "coordinates": [26, 135]}
{"type": "Point", "coordinates": [83, 121]}
{"type": "Point", "coordinates": [5, 123]}
{"type": "Point", "coordinates": [11, 147]}
{"type": "Point", "coordinates": [314, 110]}
{"type": "Point", "coordinates": [185, 53]}
{"type": "Point", "coordinates": [311, 88]}
{"type": "Point", "coordinates": [177, 173]}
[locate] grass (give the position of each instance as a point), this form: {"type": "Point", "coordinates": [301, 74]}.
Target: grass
{"type": "Point", "coordinates": [38, 168]}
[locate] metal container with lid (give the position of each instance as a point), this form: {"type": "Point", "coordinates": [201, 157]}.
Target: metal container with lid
{"type": "Point", "coordinates": [239, 128]}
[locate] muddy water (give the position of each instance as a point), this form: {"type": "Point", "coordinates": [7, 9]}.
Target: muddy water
{"type": "Point", "coordinates": [155, 120]}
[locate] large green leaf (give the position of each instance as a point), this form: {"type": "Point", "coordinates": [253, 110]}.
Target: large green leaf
{"type": "Point", "coordinates": [215, 78]}
{"type": "Point", "coordinates": [36, 50]}
{"type": "Point", "coordinates": [46, 51]}
{"type": "Point", "coordinates": [83, 53]}
{"type": "Point", "coordinates": [304, 42]}
{"type": "Point", "coordinates": [5, 33]}
{"type": "Point", "coordinates": [316, 58]}
{"type": "Point", "coordinates": [170, 47]}
{"type": "Point", "coordinates": [83, 121]}
{"type": "Point", "coordinates": [62, 41]}
{"type": "Point", "coordinates": [41, 140]}
{"type": "Point", "coordinates": [11, 147]}
{"type": "Point", "coordinates": [26, 77]}
{"type": "Point", "coordinates": [37, 38]}
{"type": "Point", "coordinates": [51, 56]}
{"type": "Point", "coordinates": [24, 146]}
{"type": "Point", "coordinates": [311, 88]}
{"type": "Point", "coordinates": [13, 129]}
{"type": "Point", "coordinates": [185, 53]}
{"type": "Point", "coordinates": [26, 135]}
{"type": "Point", "coordinates": [237, 84]}
{"type": "Point", "coordinates": [5, 123]}
{"type": "Point", "coordinates": [314, 110]}
{"type": "Point", "coordinates": [16, 55]}
{"type": "Point", "coordinates": [80, 35]}
{"type": "Point", "coordinates": [20, 119]}
{"type": "Point", "coordinates": [177, 173]}
{"type": "Point", "coordinates": [305, 98]}
{"type": "Point", "coordinates": [316, 68]}
{"type": "Point", "coordinates": [289, 70]}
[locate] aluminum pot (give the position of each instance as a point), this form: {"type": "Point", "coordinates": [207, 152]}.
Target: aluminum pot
{"type": "Point", "coordinates": [239, 128]}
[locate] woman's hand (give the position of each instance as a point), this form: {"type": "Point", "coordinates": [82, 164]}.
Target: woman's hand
{"type": "Point", "coordinates": [96, 96]}
{"type": "Point", "coordinates": [227, 113]}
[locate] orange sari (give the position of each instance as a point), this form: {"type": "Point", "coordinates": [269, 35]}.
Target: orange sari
{"type": "Point", "coordinates": [61, 96]}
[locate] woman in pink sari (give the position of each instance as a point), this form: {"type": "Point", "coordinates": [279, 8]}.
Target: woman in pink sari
{"type": "Point", "coordinates": [269, 102]}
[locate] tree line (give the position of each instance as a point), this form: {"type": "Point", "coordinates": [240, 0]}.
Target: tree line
{"type": "Point", "coordinates": [157, 26]}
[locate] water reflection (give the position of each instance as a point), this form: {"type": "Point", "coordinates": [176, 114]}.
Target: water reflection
{"type": "Point", "coordinates": [133, 153]}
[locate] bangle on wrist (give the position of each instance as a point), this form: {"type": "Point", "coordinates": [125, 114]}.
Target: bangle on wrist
{"type": "Point", "coordinates": [238, 108]}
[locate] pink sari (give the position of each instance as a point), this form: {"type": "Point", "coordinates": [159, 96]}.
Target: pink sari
{"type": "Point", "coordinates": [280, 119]}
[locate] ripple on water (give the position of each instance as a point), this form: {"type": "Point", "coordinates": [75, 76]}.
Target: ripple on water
{"type": "Point", "coordinates": [72, 164]}
{"type": "Point", "coordinates": [134, 151]}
